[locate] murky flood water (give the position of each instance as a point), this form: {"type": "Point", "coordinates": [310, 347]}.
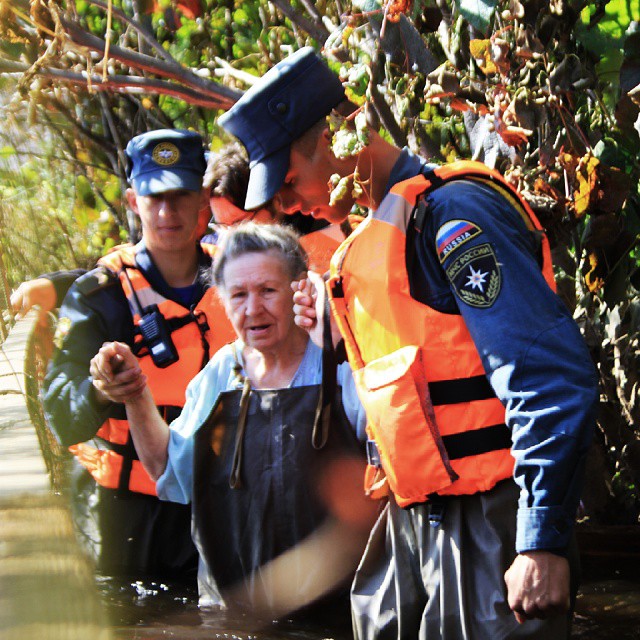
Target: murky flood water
{"type": "Point", "coordinates": [150, 611]}
{"type": "Point", "coordinates": [606, 609]}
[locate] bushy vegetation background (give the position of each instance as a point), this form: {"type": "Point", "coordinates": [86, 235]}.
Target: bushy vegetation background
{"type": "Point", "coordinates": [547, 92]}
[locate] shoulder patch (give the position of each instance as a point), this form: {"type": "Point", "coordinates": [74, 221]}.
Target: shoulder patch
{"type": "Point", "coordinates": [95, 280]}
{"type": "Point", "coordinates": [475, 276]}
{"type": "Point", "coordinates": [453, 234]}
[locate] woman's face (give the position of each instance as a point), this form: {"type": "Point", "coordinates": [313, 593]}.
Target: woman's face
{"type": "Point", "coordinates": [258, 299]}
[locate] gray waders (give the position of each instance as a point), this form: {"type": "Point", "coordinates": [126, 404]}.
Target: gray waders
{"type": "Point", "coordinates": [424, 580]}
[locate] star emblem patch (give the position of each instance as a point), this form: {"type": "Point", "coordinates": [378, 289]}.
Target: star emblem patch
{"type": "Point", "coordinates": [475, 276]}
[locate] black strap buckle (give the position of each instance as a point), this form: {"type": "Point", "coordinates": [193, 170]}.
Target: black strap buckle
{"type": "Point", "coordinates": [437, 509]}
{"type": "Point", "coordinates": [337, 290]}
{"type": "Point", "coordinates": [373, 455]}
{"type": "Point", "coordinates": [201, 320]}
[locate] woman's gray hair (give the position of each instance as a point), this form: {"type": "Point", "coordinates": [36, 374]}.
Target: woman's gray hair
{"type": "Point", "coordinates": [250, 237]}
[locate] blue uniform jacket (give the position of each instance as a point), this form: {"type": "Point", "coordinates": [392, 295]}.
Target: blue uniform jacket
{"type": "Point", "coordinates": [531, 349]}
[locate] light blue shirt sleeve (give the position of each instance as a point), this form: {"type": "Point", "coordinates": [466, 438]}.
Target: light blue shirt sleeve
{"type": "Point", "coordinates": [351, 402]}
{"type": "Point", "coordinates": [175, 483]}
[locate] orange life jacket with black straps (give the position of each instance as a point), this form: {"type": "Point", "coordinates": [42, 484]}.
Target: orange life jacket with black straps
{"type": "Point", "coordinates": [196, 334]}
{"type": "Point", "coordinates": [434, 422]}
{"type": "Point", "coordinates": [320, 246]}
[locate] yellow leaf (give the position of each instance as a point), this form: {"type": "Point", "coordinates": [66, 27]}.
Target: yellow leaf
{"type": "Point", "coordinates": [587, 178]}
{"type": "Point", "coordinates": [479, 48]}
{"type": "Point", "coordinates": [594, 282]}
{"type": "Point", "coordinates": [481, 51]}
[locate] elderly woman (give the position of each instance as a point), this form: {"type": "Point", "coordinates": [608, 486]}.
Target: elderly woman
{"type": "Point", "coordinates": [253, 448]}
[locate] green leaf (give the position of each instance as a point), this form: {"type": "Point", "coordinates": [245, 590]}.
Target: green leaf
{"type": "Point", "coordinates": [85, 192]}
{"type": "Point", "coordinates": [7, 151]}
{"type": "Point", "coordinates": [608, 70]}
{"type": "Point", "coordinates": [478, 12]}
{"type": "Point", "coordinates": [608, 67]}
{"type": "Point", "coordinates": [609, 32]}
{"type": "Point", "coordinates": [240, 17]}
{"type": "Point", "coordinates": [367, 6]}
{"type": "Point", "coordinates": [12, 49]}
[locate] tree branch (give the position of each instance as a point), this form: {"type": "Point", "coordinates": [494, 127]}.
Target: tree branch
{"type": "Point", "coordinates": [122, 84]}
{"type": "Point", "coordinates": [148, 37]}
{"type": "Point", "coordinates": [382, 108]}
{"type": "Point", "coordinates": [81, 130]}
{"type": "Point", "coordinates": [311, 9]}
{"type": "Point", "coordinates": [115, 134]}
{"type": "Point", "coordinates": [71, 151]}
{"type": "Point", "coordinates": [225, 69]}
{"type": "Point", "coordinates": [224, 96]}
{"type": "Point", "coordinates": [316, 30]}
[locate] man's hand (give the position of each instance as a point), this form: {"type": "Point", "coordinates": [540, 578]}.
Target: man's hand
{"type": "Point", "coordinates": [538, 585]}
{"type": "Point", "coordinates": [308, 301]}
{"type": "Point", "coordinates": [116, 374]}
{"type": "Point", "coordinates": [308, 306]}
{"type": "Point", "coordinates": [39, 292]}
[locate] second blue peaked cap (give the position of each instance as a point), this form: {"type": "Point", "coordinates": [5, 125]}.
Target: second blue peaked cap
{"type": "Point", "coordinates": [287, 101]}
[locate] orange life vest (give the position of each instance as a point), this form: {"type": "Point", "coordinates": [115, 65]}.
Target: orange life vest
{"type": "Point", "coordinates": [320, 246]}
{"type": "Point", "coordinates": [196, 334]}
{"type": "Point", "coordinates": [437, 425]}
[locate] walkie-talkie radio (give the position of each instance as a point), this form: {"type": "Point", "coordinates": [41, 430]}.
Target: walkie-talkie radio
{"type": "Point", "coordinates": [155, 330]}
{"type": "Point", "coordinates": [157, 337]}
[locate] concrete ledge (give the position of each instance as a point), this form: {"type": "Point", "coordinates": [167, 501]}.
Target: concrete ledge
{"type": "Point", "coordinates": [23, 467]}
{"type": "Point", "coordinates": [47, 588]}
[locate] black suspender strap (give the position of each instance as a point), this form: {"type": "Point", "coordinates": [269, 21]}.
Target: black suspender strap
{"type": "Point", "coordinates": [125, 469]}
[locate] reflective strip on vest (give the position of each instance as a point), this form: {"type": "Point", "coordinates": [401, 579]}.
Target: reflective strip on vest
{"type": "Point", "coordinates": [402, 351]}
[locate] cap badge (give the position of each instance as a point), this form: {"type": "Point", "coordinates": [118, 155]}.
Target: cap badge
{"type": "Point", "coordinates": [166, 154]}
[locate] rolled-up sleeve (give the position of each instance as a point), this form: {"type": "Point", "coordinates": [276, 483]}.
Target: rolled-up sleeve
{"type": "Point", "coordinates": [85, 323]}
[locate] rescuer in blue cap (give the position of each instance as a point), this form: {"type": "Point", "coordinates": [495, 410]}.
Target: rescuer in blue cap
{"type": "Point", "coordinates": [164, 160]}
{"type": "Point", "coordinates": [479, 390]}
{"type": "Point", "coordinates": [153, 297]}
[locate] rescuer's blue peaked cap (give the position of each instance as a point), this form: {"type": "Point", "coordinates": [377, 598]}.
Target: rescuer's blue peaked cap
{"type": "Point", "coordinates": [287, 101]}
{"type": "Point", "coordinates": [165, 159]}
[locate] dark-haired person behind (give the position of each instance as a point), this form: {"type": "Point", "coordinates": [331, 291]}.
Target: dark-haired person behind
{"type": "Point", "coordinates": [228, 177]}
{"type": "Point", "coordinates": [250, 449]}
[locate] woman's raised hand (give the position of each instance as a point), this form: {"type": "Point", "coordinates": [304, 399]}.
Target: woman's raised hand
{"type": "Point", "coordinates": [116, 373]}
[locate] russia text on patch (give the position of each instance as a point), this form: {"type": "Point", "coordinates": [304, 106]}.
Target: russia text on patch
{"type": "Point", "coordinates": [454, 234]}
